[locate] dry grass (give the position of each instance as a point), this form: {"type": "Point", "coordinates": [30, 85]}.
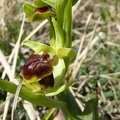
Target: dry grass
{"type": "Point", "coordinates": [96, 40]}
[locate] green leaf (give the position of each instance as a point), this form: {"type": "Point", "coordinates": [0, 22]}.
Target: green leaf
{"type": "Point", "coordinates": [67, 23]}
{"type": "Point", "coordinates": [115, 60]}
{"type": "Point", "coordinates": [60, 7]}
{"type": "Point", "coordinates": [72, 110]}
{"type": "Point", "coordinates": [28, 95]}
{"type": "Point", "coordinates": [102, 118]}
{"type": "Point", "coordinates": [28, 9]}
{"type": "Point", "coordinates": [56, 90]}
{"type": "Point", "coordinates": [38, 47]}
{"type": "Point", "coordinates": [59, 42]}
{"type": "Point", "coordinates": [91, 110]}
{"type": "Point", "coordinates": [50, 3]}
{"type": "Point", "coordinates": [39, 3]}
{"type": "Point", "coordinates": [109, 94]}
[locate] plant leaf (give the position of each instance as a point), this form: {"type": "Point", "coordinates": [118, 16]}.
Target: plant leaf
{"type": "Point", "coordinates": [74, 2]}
{"type": "Point", "coordinates": [28, 95]}
{"type": "Point", "coordinates": [102, 118]}
{"type": "Point", "coordinates": [28, 9]}
{"type": "Point", "coordinates": [56, 90]}
{"type": "Point", "coordinates": [60, 6]}
{"type": "Point", "coordinates": [90, 112]}
{"type": "Point", "coordinates": [72, 110]}
{"type": "Point", "coordinates": [67, 23]}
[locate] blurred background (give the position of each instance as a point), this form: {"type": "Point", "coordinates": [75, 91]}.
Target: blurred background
{"type": "Point", "coordinates": [98, 59]}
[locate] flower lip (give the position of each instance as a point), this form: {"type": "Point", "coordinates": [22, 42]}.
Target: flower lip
{"type": "Point", "coordinates": [44, 9]}
{"type": "Point", "coordinates": [37, 65]}
{"type": "Point", "coordinates": [47, 81]}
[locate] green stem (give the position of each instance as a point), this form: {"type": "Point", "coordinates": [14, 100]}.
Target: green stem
{"type": "Point", "coordinates": [47, 116]}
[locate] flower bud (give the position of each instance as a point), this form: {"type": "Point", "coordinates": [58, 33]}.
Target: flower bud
{"type": "Point", "coordinates": [42, 13]}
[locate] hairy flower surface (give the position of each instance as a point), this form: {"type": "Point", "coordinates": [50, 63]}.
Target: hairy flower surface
{"type": "Point", "coordinates": [45, 9]}
{"type": "Point", "coordinates": [38, 68]}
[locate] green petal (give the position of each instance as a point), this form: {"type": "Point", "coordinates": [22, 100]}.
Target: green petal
{"type": "Point", "coordinates": [65, 52]}
{"type": "Point", "coordinates": [28, 95]}
{"type": "Point", "coordinates": [56, 90]}
{"type": "Point", "coordinates": [28, 9]}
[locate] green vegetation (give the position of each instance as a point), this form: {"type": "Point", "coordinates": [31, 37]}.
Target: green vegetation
{"type": "Point", "coordinates": [94, 71]}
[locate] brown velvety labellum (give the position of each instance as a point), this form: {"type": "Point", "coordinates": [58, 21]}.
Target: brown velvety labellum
{"type": "Point", "coordinates": [45, 9]}
{"type": "Point", "coordinates": [37, 65]}
{"type": "Point", "coordinates": [47, 81]}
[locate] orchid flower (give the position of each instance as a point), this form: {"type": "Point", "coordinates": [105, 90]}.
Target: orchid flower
{"type": "Point", "coordinates": [44, 70]}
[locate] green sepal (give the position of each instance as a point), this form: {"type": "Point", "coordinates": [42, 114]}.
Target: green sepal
{"type": "Point", "coordinates": [38, 47]}
{"type": "Point", "coordinates": [39, 3]}
{"type": "Point", "coordinates": [56, 90]}
{"type": "Point", "coordinates": [37, 16]}
{"type": "Point", "coordinates": [55, 61]}
{"type": "Point", "coordinates": [28, 9]}
{"type": "Point", "coordinates": [65, 52]}
{"type": "Point", "coordinates": [59, 72]}
{"type": "Point", "coordinates": [32, 44]}
{"type": "Point", "coordinates": [50, 3]}
{"type": "Point", "coordinates": [28, 95]}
